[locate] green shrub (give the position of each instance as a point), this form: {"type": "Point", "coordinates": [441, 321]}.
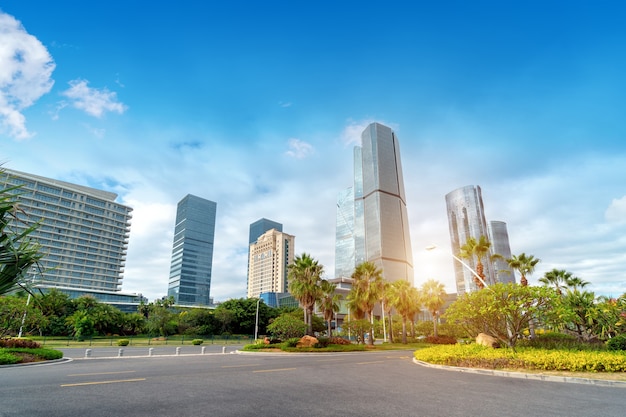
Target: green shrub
{"type": "Point", "coordinates": [293, 342]}
{"type": "Point", "coordinates": [123, 342]}
{"type": "Point", "coordinates": [7, 359]}
{"type": "Point", "coordinates": [617, 343]}
{"type": "Point", "coordinates": [322, 342]}
{"type": "Point", "coordinates": [197, 342]}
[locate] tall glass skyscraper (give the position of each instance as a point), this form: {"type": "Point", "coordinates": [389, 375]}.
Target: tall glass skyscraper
{"type": "Point", "coordinates": [192, 253]}
{"type": "Point", "coordinates": [83, 234]}
{"type": "Point", "coordinates": [499, 238]}
{"type": "Point", "coordinates": [466, 218]}
{"type": "Point", "coordinates": [380, 221]}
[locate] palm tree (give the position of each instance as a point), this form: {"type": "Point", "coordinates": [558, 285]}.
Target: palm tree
{"type": "Point", "coordinates": [560, 279]}
{"type": "Point", "coordinates": [477, 249]}
{"type": "Point", "coordinates": [401, 297]}
{"type": "Point", "coordinates": [367, 290]}
{"type": "Point", "coordinates": [329, 302]}
{"type": "Point", "coordinates": [304, 276]}
{"type": "Point", "coordinates": [18, 253]}
{"type": "Point", "coordinates": [524, 264]}
{"type": "Point", "coordinates": [433, 297]}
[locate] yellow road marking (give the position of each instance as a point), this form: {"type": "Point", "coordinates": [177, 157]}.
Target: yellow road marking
{"type": "Point", "coordinates": [240, 366]}
{"type": "Point", "coordinates": [103, 382]}
{"type": "Point", "coordinates": [275, 370]}
{"type": "Point", "coordinates": [103, 373]}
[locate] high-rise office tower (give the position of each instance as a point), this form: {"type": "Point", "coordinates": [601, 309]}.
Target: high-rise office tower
{"type": "Point", "coordinates": [466, 218]}
{"type": "Point", "coordinates": [268, 263]}
{"type": "Point", "coordinates": [380, 221]}
{"type": "Point", "coordinates": [499, 238]}
{"type": "Point", "coordinates": [261, 226]}
{"type": "Point", "coordinates": [83, 234]}
{"type": "Point", "coordinates": [344, 234]}
{"type": "Point", "coordinates": [192, 253]}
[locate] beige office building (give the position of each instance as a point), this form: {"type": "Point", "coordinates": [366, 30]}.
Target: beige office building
{"type": "Point", "coordinates": [268, 259]}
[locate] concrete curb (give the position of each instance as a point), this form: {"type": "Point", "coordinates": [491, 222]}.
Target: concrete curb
{"type": "Point", "coordinates": [40, 363]}
{"type": "Point", "coordinates": [522, 375]}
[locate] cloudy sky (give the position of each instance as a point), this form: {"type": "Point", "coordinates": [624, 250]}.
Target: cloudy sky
{"type": "Point", "coordinates": [257, 105]}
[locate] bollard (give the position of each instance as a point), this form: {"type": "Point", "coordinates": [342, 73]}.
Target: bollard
{"type": "Point", "coordinates": [223, 349]}
{"type": "Point", "coordinates": [150, 350]}
{"type": "Point", "coordinates": [120, 353]}
{"type": "Point", "coordinates": [88, 353]}
{"type": "Point", "coordinates": [177, 351]}
{"type": "Point", "coordinates": [203, 349]}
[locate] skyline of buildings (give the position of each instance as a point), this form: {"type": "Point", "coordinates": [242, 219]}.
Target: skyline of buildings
{"type": "Point", "coordinates": [377, 228]}
{"type": "Point", "coordinates": [192, 251]}
{"type": "Point", "coordinates": [363, 232]}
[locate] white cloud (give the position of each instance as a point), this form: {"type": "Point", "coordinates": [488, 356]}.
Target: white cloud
{"type": "Point", "coordinates": [299, 149]}
{"type": "Point", "coordinates": [93, 101]}
{"type": "Point", "coordinates": [25, 75]}
{"type": "Point", "coordinates": [616, 212]}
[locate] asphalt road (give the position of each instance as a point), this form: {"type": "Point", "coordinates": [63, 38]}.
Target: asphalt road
{"type": "Point", "coordinates": [260, 384]}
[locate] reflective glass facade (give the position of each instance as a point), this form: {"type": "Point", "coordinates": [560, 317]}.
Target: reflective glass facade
{"type": "Point", "coordinates": [499, 238]}
{"type": "Point", "coordinates": [261, 226]}
{"type": "Point", "coordinates": [381, 227]}
{"type": "Point", "coordinates": [192, 253]}
{"type": "Point", "coordinates": [344, 234]}
{"type": "Point", "coordinates": [466, 218]}
{"type": "Point", "coordinates": [83, 232]}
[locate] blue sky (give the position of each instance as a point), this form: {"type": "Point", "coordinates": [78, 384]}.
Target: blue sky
{"type": "Point", "coordinates": [257, 106]}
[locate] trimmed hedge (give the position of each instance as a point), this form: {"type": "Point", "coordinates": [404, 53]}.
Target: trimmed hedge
{"type": "Point", "coordinates": [476, 356]}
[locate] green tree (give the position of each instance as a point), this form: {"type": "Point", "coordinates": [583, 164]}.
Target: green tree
{"type": "Point", "coordinates": [329, 303]}
{"type": "Point", "coordinates": [82, 324]}
{"type": "Point", "coordinates": [242, 315]}
{"type": "Point", "coordinates": [580, 314]}
{"type": "Point", "coordinates": [14, 310]}
{"type": "Point", "coordinates": [504, 312]}
{"type": "Point", "coordinates": [476, 250]}
{"type": "Point", "coordinates": [304, 276]}
{"type": "Point", "coordinates": [287, 326]}
{"type": "Point", "coordinates": [56, 307]}
{"type": "Point", "coordinates": [160, 316]}
{"type": "Point", "coordinates": [524, 264]}
{"type": "Point", "coordinates": [387, 308]}
{"type": "Point", "coordinates": [367, 290]}
{"type": "Point", "coordinates": [18, 252]}
{"type": "Point", "coordinates": [433, 295]}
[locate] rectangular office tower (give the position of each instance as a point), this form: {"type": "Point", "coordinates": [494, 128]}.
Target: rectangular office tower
{"type": "Point", "coordinates": [192, 252]}
{"type": "Point", "coordinates": [261, 226]}
{"type": "Point", "coordinates": [268, 261]}
{"type": "Point", "coordinates": [466, 218]}
{"type": "Point", "coordinates": [83, 234]}
{"type": "Point", "coordinates": [380, 222]}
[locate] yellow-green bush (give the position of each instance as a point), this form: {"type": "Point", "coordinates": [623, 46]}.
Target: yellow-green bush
{"type": "Point", "coordinates": [525, 358]}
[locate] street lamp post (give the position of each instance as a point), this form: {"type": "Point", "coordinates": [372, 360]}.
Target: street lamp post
{"type": "Point", "coordinates": [256, 323]}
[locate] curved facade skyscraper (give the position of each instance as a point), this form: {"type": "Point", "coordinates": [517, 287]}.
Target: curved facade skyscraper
{"type": "Point", "coordinates": [499, 238]}
{"type": "Point", "coordinates": [466, 218]}
{"type": "Point", "coordinates": [380, 226]}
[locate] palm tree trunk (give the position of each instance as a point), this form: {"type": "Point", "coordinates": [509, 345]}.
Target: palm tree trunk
{"type": "Point", "coordinates": [404, 331]}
